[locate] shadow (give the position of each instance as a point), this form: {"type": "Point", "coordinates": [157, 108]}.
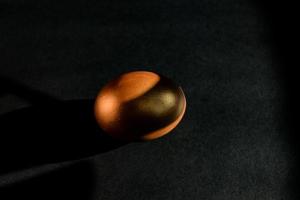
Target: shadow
{"type": "Point", "coordinates": [72, 182]}
{"type": "Point", "coordinates": [50, 131]}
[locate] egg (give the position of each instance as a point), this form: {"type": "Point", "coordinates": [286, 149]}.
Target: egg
{"type": "Point", "coordinates": [139, 105]}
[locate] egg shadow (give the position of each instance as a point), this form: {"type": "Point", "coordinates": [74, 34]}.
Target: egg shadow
{"type": "Point", "coordinates": [51, 133]}
{"type": "Point", "coordinates": [74, 181]}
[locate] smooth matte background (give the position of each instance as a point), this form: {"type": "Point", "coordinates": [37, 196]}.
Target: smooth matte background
{"type": "Point", "coordinates": [232, 58]}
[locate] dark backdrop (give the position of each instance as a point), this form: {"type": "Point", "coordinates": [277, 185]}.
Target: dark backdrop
{"type": "Point", "coordinates": [233, 58]}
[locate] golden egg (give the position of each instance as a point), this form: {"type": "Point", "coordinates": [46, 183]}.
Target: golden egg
{"type": "Point", "coordinates": [139, 105]}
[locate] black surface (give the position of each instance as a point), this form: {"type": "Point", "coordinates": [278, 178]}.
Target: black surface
{"type": "Point", "coordinates": [234, 60]}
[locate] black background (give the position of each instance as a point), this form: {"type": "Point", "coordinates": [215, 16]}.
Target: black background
{"type": "Point", "coordinates": [235, 60]}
